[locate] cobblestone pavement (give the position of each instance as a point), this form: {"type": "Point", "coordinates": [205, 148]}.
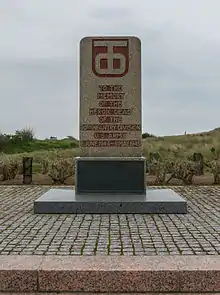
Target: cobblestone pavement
{"type": "Point", "coordinates": [23, 232]}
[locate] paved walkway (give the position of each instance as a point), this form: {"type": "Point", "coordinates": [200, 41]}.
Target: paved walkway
{"type": "Point", "coordinates": [23, 232]}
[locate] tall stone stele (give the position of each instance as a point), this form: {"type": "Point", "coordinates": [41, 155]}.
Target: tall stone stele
{"type": "Point", "coordinates": [110, 174]}
{"type": "Point", "coordinates": [110, 117]}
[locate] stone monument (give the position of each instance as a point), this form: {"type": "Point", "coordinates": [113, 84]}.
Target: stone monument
{"type": "Point", "coordinates": [110, 174]}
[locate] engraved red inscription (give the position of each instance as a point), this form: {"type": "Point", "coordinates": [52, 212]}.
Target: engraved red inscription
{"type": "Point", "coordinates": [111, 88]}
{"type": "Point", "coordinates": [110, 95]}
{"type": "Point", "coordinates": [109, 135]}
{"type": "Point", "coordinates": [111, 127]}
{"type": "Point", "coordinates": [110, 104]}
{"type": "Point", "coordinates": [110, 143]}
{"type": "Point", "coordinates": [108, 119]}
{"type": "Point", "coordinates": [110, 131]}
{"type": "Point", "coordinates": [109, 112]}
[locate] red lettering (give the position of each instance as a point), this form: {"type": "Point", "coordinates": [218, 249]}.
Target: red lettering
{"type": "Point", "coordinates": [110, 127]}
{"type": "Point", "coordinates": [94, 143]}
{"type": "Point", "coordinates": [111, 135]}
{"type": "Point", "coordinates": [109, 112]}
{"type": "Point", "coordinates": [110, 95]}
{"type": "Point", "coordinates": [110, 143]}
{"type": "Point", "coordinates": [110, 104]}
{"type": "Point", "coordinates": [110, 132]}
{"type": "Point", "coordinates": [116, 88]}
{"type": "Point", "coordinates": [107, 119]}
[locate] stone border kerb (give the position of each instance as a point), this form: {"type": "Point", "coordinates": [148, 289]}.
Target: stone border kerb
{"type": "Point", "coordinates": [110, 274]}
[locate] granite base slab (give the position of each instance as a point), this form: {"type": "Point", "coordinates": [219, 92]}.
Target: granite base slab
{"type": "Point", "coordinates": [156, 201]}
{"type": "Point", "coordinates": [150, 275]}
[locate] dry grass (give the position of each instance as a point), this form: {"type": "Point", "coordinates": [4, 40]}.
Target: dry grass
{"type": "Point", "coordinates": [40, 179]}
{"type": "Point", "coordinates": [175, 147]}
{"type": "Point", "coordinates": [184, 145]}
{"type": "Point", "coordinates": [180, 146]}
{"type": "Point", "coordinates": [39, 155]}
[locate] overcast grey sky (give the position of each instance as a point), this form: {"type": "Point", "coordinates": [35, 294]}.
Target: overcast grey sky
{"type": "Point", "coordinates": [39, 61]}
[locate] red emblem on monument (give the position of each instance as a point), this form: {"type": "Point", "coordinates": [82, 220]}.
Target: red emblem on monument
{"type": "Point", "coordinates": [110, 57]}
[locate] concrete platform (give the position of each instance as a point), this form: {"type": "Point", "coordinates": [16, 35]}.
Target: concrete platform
{"type": "Point", "coordinates": [155, 201]}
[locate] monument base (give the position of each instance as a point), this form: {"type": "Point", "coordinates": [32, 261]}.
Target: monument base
{"type": "Point", "coordinates": [155, 201]}
{"type": "Point", "coordinates": [110, 175]}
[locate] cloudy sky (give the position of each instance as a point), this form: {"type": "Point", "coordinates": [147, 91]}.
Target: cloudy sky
{"type": "Point", "coordinates": [39, 61]}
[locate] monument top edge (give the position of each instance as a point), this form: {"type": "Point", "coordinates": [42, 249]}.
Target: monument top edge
{"type": "Point", "coordinates": [87, 38]}
{"type": "Point", "coordinates": [110, 158]}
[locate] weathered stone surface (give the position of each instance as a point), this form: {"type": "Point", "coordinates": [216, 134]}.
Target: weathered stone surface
{"type": "Point", "coordinates": [110, 96]}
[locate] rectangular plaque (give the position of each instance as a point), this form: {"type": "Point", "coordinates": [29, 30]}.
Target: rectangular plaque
{"type": "Point", "coordinates": [115, 175]}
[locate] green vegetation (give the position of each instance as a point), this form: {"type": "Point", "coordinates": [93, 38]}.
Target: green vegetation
{"type": "Point", "coordinates": [23, 141]}
{"type": "Point", "coordinates": [170, 157]}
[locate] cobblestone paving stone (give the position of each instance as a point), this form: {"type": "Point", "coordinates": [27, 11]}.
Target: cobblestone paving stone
{"type": "Point", "coordinates": [25, 233]}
